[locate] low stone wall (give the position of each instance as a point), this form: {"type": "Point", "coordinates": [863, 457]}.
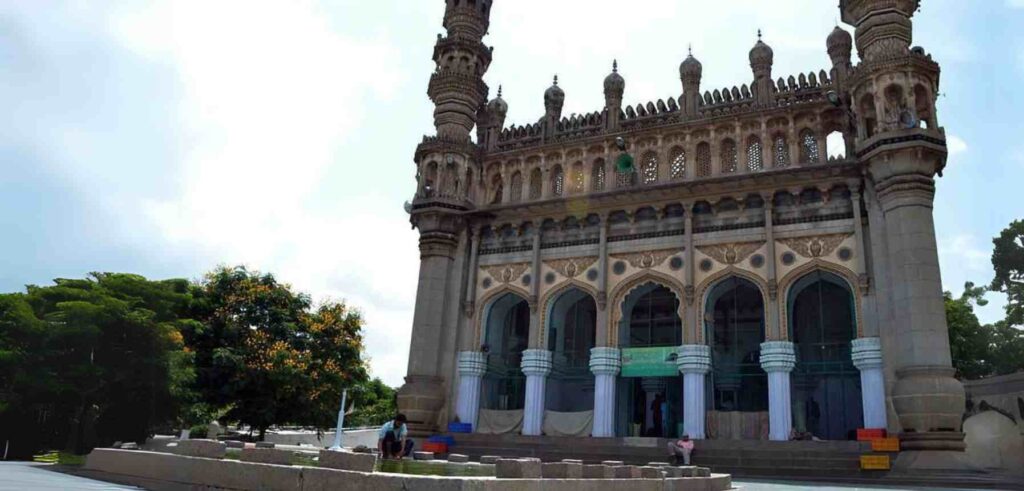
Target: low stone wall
{"type": "Point", "coordinates": [137, 467]}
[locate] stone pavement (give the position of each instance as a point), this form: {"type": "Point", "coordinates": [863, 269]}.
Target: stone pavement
{"type": "Point", "coordinates": [25, 476]}
{"type": "Point", "coordinates": [745, 485]}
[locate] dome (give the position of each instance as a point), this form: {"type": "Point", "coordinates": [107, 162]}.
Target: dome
{"type": "Point", "coordinates": [839, 39]}
{"type": "Point", "coordinates": [690, 67]}
{"type": "Point", "coordinates": [761, 53]}
{"type": "Point", "coordinates": [554, 96]}
{"type": "Point", "coordinates": [498, 106]}
{"type": "Point", "coordinates": [614, 83]}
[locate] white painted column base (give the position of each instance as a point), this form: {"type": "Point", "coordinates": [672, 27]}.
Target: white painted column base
{"type": "Point", "coordinates": [867, 357]}
{"type": "Point", "coordinates": [778, 358]}
{"type": "Point", "coordinates": [536, 365]}
{"type": "Point", "coordinates": [604, 364]}
{"type": "Point", "coordinates": [694, 363]}
{"type": "Point", "coordinates": [472, 367]}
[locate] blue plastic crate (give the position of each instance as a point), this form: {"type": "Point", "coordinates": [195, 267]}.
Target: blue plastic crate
{"type": "Point", "coordinates": [460, 428]}
{"type": "Point", "coordinates": [445, 439]}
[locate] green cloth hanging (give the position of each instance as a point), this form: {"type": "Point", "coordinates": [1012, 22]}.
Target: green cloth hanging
{"type": "Point", "coordinates": [624, 163]}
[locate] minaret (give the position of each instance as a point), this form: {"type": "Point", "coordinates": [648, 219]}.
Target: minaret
{"type": "Point", "coordinates": [491, 122]}
{"type": "Point", "coordinates": [887, 89]}
{"type": "Point", "coordinates": [761, 59]}
{"type": "Point", "coordinates": [554, 100]}
{"type": "Point", "coordinates": [614, 88]}
{"type": "Point", "coordinates": [840, 48]}
{"type": "Point", "coordinates": [690, 71]}
{"type": "Point", "coordinates": [449, 172]}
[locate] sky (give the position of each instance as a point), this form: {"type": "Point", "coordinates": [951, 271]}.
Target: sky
{"type": "Point", "coordinates": [165, 138]}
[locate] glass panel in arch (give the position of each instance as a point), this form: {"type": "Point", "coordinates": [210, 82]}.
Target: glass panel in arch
{"type": "Point", "coordinates": [507, 332]}
{"type": "Point", "coordinates": [735, 324]}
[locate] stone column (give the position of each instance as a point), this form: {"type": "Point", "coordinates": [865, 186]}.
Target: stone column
{"type": "Point", "coordinates": [652, 387]}
{"type": "Point", "coordinates": [474, 255]}
{"type": "Point", "coordinates": [472, 367]}
{"type": "Point", "coordinates": [694, 363]}
{"type": "Point", "coordinates": [601, 337]}
{"type": "Point", "coordinates": [535, 327]}
{"type": "Point", "coordinates": [536, 366]}
{"type": "Point", "coordinates": [858, 229]}
{"type": "Point", "coordinates": [867, 357]}
{"type": "Point", "coordinates": [604, 364]}
{"type": "Point", "coordinates": [778, 358]}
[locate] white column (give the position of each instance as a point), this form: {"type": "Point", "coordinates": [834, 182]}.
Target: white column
{"type": "Point", "coordinates": [652, 387]}
{"type": "Point", "coordinates": [536, 365]}
{"type": "Point", "coordinates": [604, 364]}
{"type": "Point", "coordinates": [694, 363]}
{"type": "Point", "coordinates": [867, 357]}
{"type": "Point", "coordinates": [778, 359]}
{"type": "Point", "coordinates": [472, 366]}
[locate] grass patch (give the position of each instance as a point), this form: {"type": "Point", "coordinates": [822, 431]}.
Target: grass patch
{"type": "Point", "coordinates": [62, 458]}
{"type": "Point", "coordinates": [305, 461]}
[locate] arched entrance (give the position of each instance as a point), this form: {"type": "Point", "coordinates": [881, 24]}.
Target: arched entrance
{"type": "Point", "coordinates": [826, 385]}
{"type": "Point", "coordinates": [572, 326]}
{"type": "Point", "coordinates": [738, 392]}
{"type": "Point", "coordinates": [507, 332]}
{"type": "Point", "coordinates": [650, 397]}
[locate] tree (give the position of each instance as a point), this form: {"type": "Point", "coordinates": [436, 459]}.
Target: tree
{"type": "Point", "coordinates": [375, 405]}
{"type": "Point", "coordinates": [969, 340]}
{"type": "Point", "coordinates": [1008, 260]}
{"type": "Point", "coordinates": [264, 353]}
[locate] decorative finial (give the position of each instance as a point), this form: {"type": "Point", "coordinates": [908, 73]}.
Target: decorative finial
{"type": "Point", "coordinates": [689, 49]}
{"type": "Point", "coordinates": [556, 79]}
{"type": "Point", "coordinates": [758, 34]}
{"type": "Point", "coordinates": [615, 66]}
{"type": "Point", "coordinates": [499, 91]}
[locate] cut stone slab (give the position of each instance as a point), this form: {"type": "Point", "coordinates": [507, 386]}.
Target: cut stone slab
{"type": "Point", "coordinates": [599, 471]}
{"type": "Point", "coordinates": [347, 461]}
{"type": "Point", "coordinates": [562, 470]}
{"type": "Point", "coordinates": [266, 456]}
{"type": "Point", "coordinates": [658, 464]}
{"type": "Point", "coordinates": [207, 449]}
{"type": "Point", "coordinates": [627, 472]}
{"type": "Point", "coordinates": [235, 444]}
{"type": "Point", "coordinates": [703, 472]}
{"type": "Point", "coordinates": [613, 463]}
{"type": "Point", "coordinates": [572, 461]}
{"type": "Point", "coordinates": [130, 446]}
{"type": "Point", "coordinates": [517, 469]}
{"type": "Point", "coordinates": [650, 472]}
{"type": "Point", "coordinates": [458, 458]}
{"type": "Point", "coordinates": [423, 455]}
{"type": "Point", "coordinates": [265, 445]}
{"type": "Point", "coordinates": [672, 472]}
{"type": "Point", "coordinates": [489, 459]}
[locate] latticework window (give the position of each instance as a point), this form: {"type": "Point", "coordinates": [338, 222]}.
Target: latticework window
{"type": "Point", "coordinates": [781, 152]}
{"type": "Point", "coordinates": [809, 148]}
{"type": "Point", "coordinates": [624, 179]}
{"type": "Point", "coordinates": [650, 169]}
{"type": "Point", "coordinates": [678, 169]}
{"type": "Point", "coordinates": [730, 159]}
{"type": "Point", "coordinates": [577, 184]}
{"type": "Point", "coordinates": [755, 157]}
{"type": "Point", "coordinates": [557, 181]}
{"type": "Point", "coordinates": [598, 175]}
{"type": "Point", "coordinates": [535, 184]}
{"type": "Point", "coordinates": [516, 187]}
{"type": "Point", "coordinates": [703, 160]}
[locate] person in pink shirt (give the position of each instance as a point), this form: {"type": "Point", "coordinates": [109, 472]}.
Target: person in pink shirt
{"type": "Point", "coordinates": [681, 448]}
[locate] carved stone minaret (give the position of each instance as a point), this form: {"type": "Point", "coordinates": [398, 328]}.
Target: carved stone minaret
{"type": "Point", "coordinates": [761, 60]}
{"type": "Point", "coordinates": [690, 72]}
{"type": "Point", "coordinates": [840, 49]}
{"type": "Point", "coordinates": [614, 89]}
{"type": "Point", "coordinates": [902, 156]}
{"type": "Point", "coordinates": [449, 171]}
{"type": "Point", "coordinates": [554, 100]}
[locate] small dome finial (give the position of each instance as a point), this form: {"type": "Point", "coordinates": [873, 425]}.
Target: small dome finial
{"type": "Point", "coordinates": [499, 90]}
{"type": "Point", "coordinates": [759, 34]}
{"type": "Point", "coordinates": [615, 66]}
{"type": "Point", "coordinates": [556, 79]}
{"type": "Point", "coordinates": [689, 49]}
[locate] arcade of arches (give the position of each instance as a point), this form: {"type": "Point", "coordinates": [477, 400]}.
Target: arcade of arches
{"type": "Point", "coordinates": [738, 384]}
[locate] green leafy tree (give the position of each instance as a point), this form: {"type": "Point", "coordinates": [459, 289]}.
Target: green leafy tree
{"type": "Point", "coordinates": [1008, 260]}
{"type": "Point", "coordinates": [375, 405]}
{"type": "Point", "coordinates": [1006, 349]}
{"type": "Point", "coordinates": [969, 340]}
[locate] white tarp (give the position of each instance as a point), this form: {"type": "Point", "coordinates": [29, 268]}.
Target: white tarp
{"type": "Point", "coordinates": [494, 422]}
{"type": "Point", "coordinates": [568, 424]}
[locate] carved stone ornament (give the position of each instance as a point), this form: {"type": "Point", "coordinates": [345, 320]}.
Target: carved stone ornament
{"type": "Point", "coordinates": [816, 246]}
{"type": "Point", "coordinates": [731, 253]}
{"type": "Point", "coordinates": [506, 273]}
{"type": "Point", "coordinates": [572, 267]}
{"type": "Point", "coordinates": [647, 259]}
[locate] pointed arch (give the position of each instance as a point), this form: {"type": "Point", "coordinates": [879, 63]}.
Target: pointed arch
{"type": "Point", "coordinates": [485, 302]}
{"type": "Point", "coordinates": [625, 287]}
{"type": "Point", "coordinates": [710, 282]}
{"type": "Point", "coordinates": [818, 264]}
{"type": "Point", "coordinates": [553, 295]}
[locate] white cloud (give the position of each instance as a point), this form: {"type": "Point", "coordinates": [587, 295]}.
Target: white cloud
{"type": "Point", "coordinates": [956, 145]}
{"type": "Point", "coordinates": [1015, 4]}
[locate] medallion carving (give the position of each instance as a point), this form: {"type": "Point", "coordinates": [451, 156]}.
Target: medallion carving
{"type": "Point", "coordinates": [506, 273]}
{"type": "Point", "coordinates": [731, 253]}
{"type": "Point", "coordinates": [816, 246]}
{"type": "Point", "coordinates": [647, 259]}
{"type": "Point", "coordinates": [572, 267]}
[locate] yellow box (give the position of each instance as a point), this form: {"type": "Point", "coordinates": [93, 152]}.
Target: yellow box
{"type": "Point", "coordinates": [875, 462]}
{"type": "Point", "coordinates": [885, 445]}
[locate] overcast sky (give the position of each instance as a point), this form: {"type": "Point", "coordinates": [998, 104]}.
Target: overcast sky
{"type": "Point", "coordinates": [164, 138]}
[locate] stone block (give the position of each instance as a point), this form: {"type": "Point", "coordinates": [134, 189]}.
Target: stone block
{"type": "Point", "coordinates": [562, 470]}
{"type": "Point", "coordinates": [517, 469]}
{"type": "Point", "coordinates": [650, 472]}
{"type": "Point", "coordinates": [703, 472]}
{"type": "Point", "coordinates": [347, 461]}
{"type": "Point", "coordinates": [672, 472]}
{"type": "Point", "coordinates": [489, 459]}
{"type": "Point", "coordinates": [598, 472]}
{"type": "Point", "coordinates": [423, 455]}
{"type": "Point", "coordinates": [658, 464]}
{"type": "Point", "coordinates": [208, 449]}
{"type": "Point", "coordinates": [687, 471]}
{"type": "Point", "coordinates": [613, 463]}
{"type": "Point", "coordinates": [719, 482]}
{"type": "Point", "coordinates": [627, 472]}
{"type": "Point", "coordinates": [458, 458]}
{"type": "Point", "coordinates": [265, 445]}
{"type": "Point", "coordinates": [266, 456]}
{"type": "Point", "coordinates": [235, 444]}
{"type": "Point", "coordinates": [572, 461]}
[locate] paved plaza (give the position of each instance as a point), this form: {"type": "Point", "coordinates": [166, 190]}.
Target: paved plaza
{"type": "Point", "coordinates": [23, 476]}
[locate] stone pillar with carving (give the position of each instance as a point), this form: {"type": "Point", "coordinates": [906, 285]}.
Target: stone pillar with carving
{"type": "Point", "coordinates": [694, 363]}
{"type": "Point", "coordinates": [867, 357]}
{"type": "Point", "coordinates": [472, 367]}
{"type": "Point", "coordinates": [605, 364]}
{"type": "Point", "coordinates": [536, 366]}
{"type": "Point", "coordinates": [778, 358]}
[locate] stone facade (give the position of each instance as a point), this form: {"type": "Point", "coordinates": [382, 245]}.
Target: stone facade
{"type": "Point", "coordinates": [735, 183]}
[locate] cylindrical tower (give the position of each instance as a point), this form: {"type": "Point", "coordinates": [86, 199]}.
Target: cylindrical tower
{"type": "Point", "coordinates": [690, 72]}
{"type": "Point", "coordinates": [614, 88]}
{"type": "Point", "coordinates": [761, 60]}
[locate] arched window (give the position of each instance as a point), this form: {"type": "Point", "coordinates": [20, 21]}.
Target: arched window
{"type": "Point", "coordinates": [430, 180]}
{"type": "Point", "coordinates": [571, 333]}
{"type": "Point", "coordinates": [755, 157]}
{"type": "Point", "coordinates": [781, 151]}
{"type": "Point", "coordinates": [735, 323]}
{"type": "Point", "coordinates": [809, 153]}
{"type": "Point", "coordinates": [923, 107]}
{"type": "Point", "coordinates": [703, 160]}
{"type": "Point", "coordinates": [869, 112]}
{"type": "Point", "coordinates": [557, 181]}
{"type": "Point", "coordinates": [650, 168]}
{"type": "Point", "coordinates": [577, 178]}
{"type": "Point", "coordinates": [535, 184]}
{"type": "Point", "coordinates": [835, 145]}
{"type": "Point", "coordinates": [730, 159]}
{"type": "Point", "coordinates": [497, 189]}
{"type": "Point", "coordinates": [598, 175]}
{"type": "Point", "coordinates": [517, 187]}
{"type": "Point", "coordinates": [624, 179]}
{"type": "Point", "coordinates": [507, 333]}
{"type": "Point", "coordinates": [450, 187]}
{"type": "Point", "coordinates": [678, 170]}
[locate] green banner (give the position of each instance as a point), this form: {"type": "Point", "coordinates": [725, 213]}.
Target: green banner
{"type": "Point", "coordinates": [649, 362]}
